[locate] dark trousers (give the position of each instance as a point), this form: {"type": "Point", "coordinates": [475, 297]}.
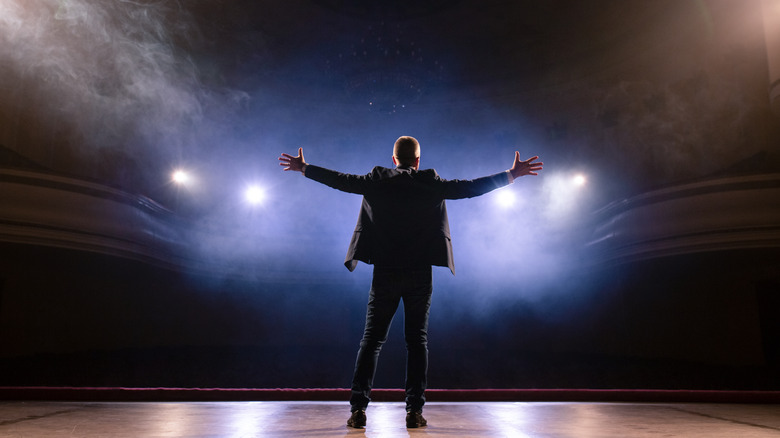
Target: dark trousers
{"type": "Point", "coordinates": [388, 287]}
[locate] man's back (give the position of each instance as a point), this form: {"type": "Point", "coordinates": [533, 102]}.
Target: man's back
{"type": "Point", "coordinates": [403, 218]}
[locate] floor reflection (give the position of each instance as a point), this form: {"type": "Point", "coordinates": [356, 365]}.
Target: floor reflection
{"type": "Point", "coordinates": [387, 420]}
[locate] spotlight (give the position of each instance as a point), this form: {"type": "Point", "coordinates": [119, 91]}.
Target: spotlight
{"type": "Point", "coordinates": [180, 177]}
{"type": "Point", "coordinates": [565, 194]}
{"type": "Point", "coordinates": [254, 195]}
{"type": "Point", "coordinates": [505, 198]}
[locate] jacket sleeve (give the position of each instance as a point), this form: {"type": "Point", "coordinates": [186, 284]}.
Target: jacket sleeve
{"type": "Point", "coordinates": [340, 181]}
{"type": "Point", "coordinates": [459, 189]}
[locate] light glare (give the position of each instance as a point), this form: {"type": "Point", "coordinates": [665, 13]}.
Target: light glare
{"type": "Point", "coordinates": [565, 194]}
{"type": "Point", "coordinates": [505, 198]}
{"type": "Point", "coordinates": [180, 177]}
{"type": "Point", "coordinates": [255, 195]}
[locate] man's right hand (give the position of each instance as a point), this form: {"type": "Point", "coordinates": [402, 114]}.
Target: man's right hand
{"type": "Point", "coordinates": [293, 163]}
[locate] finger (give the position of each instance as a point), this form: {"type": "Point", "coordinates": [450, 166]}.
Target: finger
{"type": "Point", "coordinates": [300, 152]}
{"type": "Point", "coordinates": [287, 155]}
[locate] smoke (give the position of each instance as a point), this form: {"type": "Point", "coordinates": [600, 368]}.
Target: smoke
{"type": "Point", "coordinates": [109, 73]}
{"type": "Point", "coordinates": [124, 75]}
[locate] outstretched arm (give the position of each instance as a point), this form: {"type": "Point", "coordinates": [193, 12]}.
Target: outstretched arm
{"type": "Point", "coordinates": [459, 189]}
{"type": "Point", "coordinates": [340, 181]}
{"type": "Point", "coordinates": [297, 164]}
{"type": "Point", "coordinates": [522, 168]}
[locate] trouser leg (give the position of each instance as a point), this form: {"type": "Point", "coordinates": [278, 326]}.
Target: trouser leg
{"type": "Point", "coordinates": [379, 314]}
{"type": "Point", "coordinates": [417, 304]}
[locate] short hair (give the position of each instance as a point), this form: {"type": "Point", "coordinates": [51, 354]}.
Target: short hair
{"type": "Point", "coordinates": [406, 150]}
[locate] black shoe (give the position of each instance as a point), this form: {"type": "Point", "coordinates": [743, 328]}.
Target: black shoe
{"type": "Point", "coordinates": [415, 419]}
{"type": "Point", "coordinates": [357, 420]}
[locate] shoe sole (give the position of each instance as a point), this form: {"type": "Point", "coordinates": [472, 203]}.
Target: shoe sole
{"type": "Point", "coordinates": [416, 425]}
{"type": "Point", "coordinates": [360, 424]}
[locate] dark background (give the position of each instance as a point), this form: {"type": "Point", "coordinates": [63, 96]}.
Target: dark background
{"type": "Point", "coordinates": [637, 96]}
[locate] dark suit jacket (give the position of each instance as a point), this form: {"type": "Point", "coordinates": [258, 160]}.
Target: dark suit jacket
{"type": "Point", "coordinates": [403, 219]}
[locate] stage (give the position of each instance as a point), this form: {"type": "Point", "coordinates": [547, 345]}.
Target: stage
{"type": "Point", "coordinates": [386, 419]}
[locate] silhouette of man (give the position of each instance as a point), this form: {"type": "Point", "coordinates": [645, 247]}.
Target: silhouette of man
{"type": "Point", "coordinates": [402, 230]}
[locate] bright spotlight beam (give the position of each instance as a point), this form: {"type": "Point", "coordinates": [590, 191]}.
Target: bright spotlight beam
{"type": "Point", "coordinates": [565, 194]}
{"type": "Point", "coordinates": [254, 195]}
{"type": "Point", "coordinates": [505, 198]}
{"type": "Point", "coordinates": [180, 177]}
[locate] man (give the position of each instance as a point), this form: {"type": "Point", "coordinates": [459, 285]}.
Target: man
{"type": "Point", "coordinates": [402, 230]}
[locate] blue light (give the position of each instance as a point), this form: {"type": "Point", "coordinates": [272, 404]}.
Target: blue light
{"type": "Point", "coordinates": [255, 195]}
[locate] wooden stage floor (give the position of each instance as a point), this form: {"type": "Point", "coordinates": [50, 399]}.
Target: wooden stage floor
{"type": "Point", "coordinates": [386, 419]}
